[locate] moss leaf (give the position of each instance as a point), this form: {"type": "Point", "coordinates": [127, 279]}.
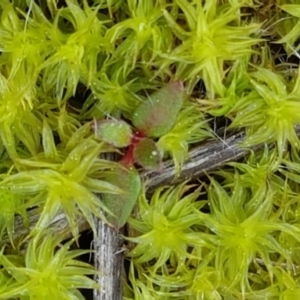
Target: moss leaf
{"type": "Point", "coordinates": [156, 116]}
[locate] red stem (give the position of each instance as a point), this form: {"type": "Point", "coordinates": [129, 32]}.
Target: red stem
{"type": "Point", "coordinates": [128, 160]}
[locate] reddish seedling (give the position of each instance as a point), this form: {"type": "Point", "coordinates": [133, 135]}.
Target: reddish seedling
{"type": "Point", "coordinates": [151, 119]}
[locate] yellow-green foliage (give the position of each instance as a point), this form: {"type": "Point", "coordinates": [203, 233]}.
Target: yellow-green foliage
{"type": "Point", "coordinates": [270, 111]}
{"type": "Point", "coordinates": [66, 65]}
{"type": "Point", "coordinates": [240, 248]}
{"type": "Point", "coordinates": [47, 270]}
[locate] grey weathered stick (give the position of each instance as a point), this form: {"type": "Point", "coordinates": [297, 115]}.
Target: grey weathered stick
{"type": "Point", "coordinates": [59, 224]}
{"type": "Point", "coordinates": [203, 158]}
{"type": "Point", "coordinates": [108, 260]}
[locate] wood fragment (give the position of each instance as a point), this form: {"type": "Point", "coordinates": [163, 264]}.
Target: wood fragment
{"type": "Point", "coordinates": [202, 159]}
{"type": "Point", "coordinates": [109, 260]}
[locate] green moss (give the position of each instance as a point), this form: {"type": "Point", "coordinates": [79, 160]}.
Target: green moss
{"type": "Point", "coordinates": [166, 69]}
{"type": "Point", "coordinates": [44, 272]}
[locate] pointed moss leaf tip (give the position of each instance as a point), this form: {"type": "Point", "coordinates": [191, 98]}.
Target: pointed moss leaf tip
{"type": "Point", "coordinates": [156, 116]}
{"type": "Point", "coordinates": [114, 132]}
{"type": "Point", "coordinates": [121, 205]}
{"type": "Point", "coordinates": [147, 155]}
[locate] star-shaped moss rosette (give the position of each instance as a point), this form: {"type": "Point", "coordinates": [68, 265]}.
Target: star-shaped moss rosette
{"type": "Point", "coordinates": [151, 119]}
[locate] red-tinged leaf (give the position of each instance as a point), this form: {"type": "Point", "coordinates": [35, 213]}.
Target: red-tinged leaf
{"type": "Point", "coordinates": [114, 132]}
{"type": "Point", "coordinates": [147, 155]}
{"type": "Point", "coordinates": [122, 205]}
{"type": "Point", "coordinates": [156, 116]}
